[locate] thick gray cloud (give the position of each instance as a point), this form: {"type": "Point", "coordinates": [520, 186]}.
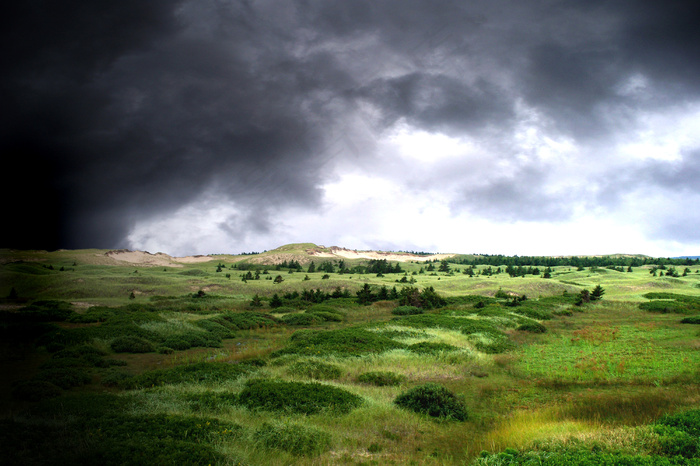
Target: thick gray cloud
{"type": "Point", "coordinates": [113, 113]}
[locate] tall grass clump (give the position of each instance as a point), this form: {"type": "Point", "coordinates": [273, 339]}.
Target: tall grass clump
{"type": "Point", "coordinates": [296, 439]}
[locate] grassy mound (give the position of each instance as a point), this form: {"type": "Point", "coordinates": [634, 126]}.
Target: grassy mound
{"type": "Point", "coordinates": [342, 342]}
{"type": "Point", "coordinates": [297, 397]}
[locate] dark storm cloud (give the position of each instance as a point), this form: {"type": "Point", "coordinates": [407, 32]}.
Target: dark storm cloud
{"type": "Point", "coordinates": [115, 111]}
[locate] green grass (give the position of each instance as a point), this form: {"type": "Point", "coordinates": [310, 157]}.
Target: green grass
{"type": "Point", "coordinates": [316, 383]}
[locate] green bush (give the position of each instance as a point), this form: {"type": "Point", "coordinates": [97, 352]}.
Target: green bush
{"type": "Point", "coordinates": [691, 320]}
{"type": "Point", "coordinates": [297, 397]}
{"type": "Point", "coordinates": [64, 377]}
{"type": "Point", "coordinates": [203, 373]}
{"type": "Point", "coordinates": [187, 340]}
{"type": "Point", "coordinates": [381, 379]}
{"type": "Point", "coordinates": [679, 434]}
{"type": "Point", "coordinates": [296, 439]}
{"type": "Point", "coordinates": [131, 344]}
{"type": "Point", "coordinates": [406, 311]}
{"type": "Point", "coordinates": [342, 342]}
{"type": "Point", "coordinates": [315, 370]}
{"type": "Point", "coordinates": [532, 327]}
{"type": "Point", "coordinates": [35, 390]}
{"type": "Point", "coordinates": [301, 319]}
{"type": "Point", "coordinates": [249, 320]}
{"type": "Point", "coordinates": [326, 315]}
{"type": "Point", "coordinates": [45, 311]}
{"type": "Point", "coordinates": [427, 347]}
{"type": "Point", "coordinates": [215, 328]}
{"type": "Point", "coordinates": [433, 400]}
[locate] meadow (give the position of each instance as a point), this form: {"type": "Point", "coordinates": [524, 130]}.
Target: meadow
{"type": "Point", "coordinates": [256, 359]}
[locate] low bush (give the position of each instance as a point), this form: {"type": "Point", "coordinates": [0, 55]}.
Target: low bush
{"type": "Point", "coordinates": [679, 434]}
{"type": "Point", "coordinates": [187, 340]}
{"type": "Point", "coordinates": [45, 311]}
{"type": "Point", "coordinates": [296, 439]}
{"type": "Point", "coordinates": [691, 320]}
{"type": "Point", "coordinates": [381, 378]}
{"type": "Point", "coordinates": [301, 319]}
{"type": "Point", "coordinates": [203, 372]}
{"type": "Point", "coordinates": [406, 311]}
{"type": "Point", "coordinates": [215, 328]}
{"type": "Point", "coordinates": [427, 347]}
{"type": "Point", "coordinates": [342, 342]}
{"type": "Point", "coordinates": [131, 344]}
{"type": "Point", "coordinates": [433, 400]}
{"type": "Point", "coordinates": [532, 327]}
{"type": "Point", "coordinates": [297, 397]}
{"type": "Point", "coordinates": [327, 316]}
{"type": "Point", "coordinates": [249, 320]}
{"type": "Point", "coordinates": [64, 377]}
{"type": "Point", "coordinates": [315, 370]}
{"type": "Point", "coordinates": [35, 390]}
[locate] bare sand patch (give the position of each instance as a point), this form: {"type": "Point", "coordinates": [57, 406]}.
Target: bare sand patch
{"type": "Point", "coordinates": [159, 259]}
{"type": "Point", "coordinates": [336, 252]}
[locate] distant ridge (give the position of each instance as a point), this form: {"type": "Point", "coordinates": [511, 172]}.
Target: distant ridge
{"type": "Point", "coordinates": [686, 257]}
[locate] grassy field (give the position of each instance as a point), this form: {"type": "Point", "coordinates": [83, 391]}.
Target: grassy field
{"type": "Point", "coordinates": [117, 362]}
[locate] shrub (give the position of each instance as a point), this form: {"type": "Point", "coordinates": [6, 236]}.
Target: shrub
{"type": "Point", "coordinates": [433, 400]}
{"type": "Point", "coordinates": [187, 340]}
{"type": "Point", "coordinates": [532, 327]}
{"type": "Point", "coordinates": [285, 310]}
{"type": "Point", "coordinates": [341, 342]}
{"type": "Point", "coordinates": [297, 397]}
{"type": "Point", "coordinates": [315, 370]}
{"type": "Point", "coordinates": [381, 379]}
{"type": "Point", "coordinates": [45, 311]}
{"type": "Point", "coordinates": [406, 311]}
{"type": "Point", "coordinates": [427, 347]}
{"type": "Point", "coordinates": [203, 372]}
{"type": "Point", "coordinates": [296, 439]}
{"type": "Point", "coordinates": [301, 319]}
{"type": "Point", "coordinates": [691, 320]}
{"type": "Point", "coordinates": [215, 328]}
{"type": "Point", "coordinates": [35, 390]}
{"type": "Point", "coordinates": [249, 320]}
{"type": "Point", "coordinates": [131, 344]}
{"type": "Point", "coordinates": [64, 377]}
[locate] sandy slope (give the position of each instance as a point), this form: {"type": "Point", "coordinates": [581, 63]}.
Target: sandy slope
{"type": "Point", "coordinates": [158, 259]}
{"type": "Point", "coordinates": [337, 252]}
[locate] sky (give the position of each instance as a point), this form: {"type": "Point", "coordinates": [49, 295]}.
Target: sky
{"type": "Point", "coordinates": [539, 127]}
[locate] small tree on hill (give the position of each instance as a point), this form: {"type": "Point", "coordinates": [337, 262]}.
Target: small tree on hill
{"type": "Point", "coordinates": [597, 293]}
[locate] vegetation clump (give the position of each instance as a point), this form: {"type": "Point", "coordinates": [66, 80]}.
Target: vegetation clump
{"type": "Point", "coordinates": [428, 347]}
{"type": "Point", "coordinates": [297, 397]}
{"type": "Point", "coordinates": [296, 439]}
{"type": "Point", "coordinates": [315, 370]}
{"type": "Point", "coordinates": [131, 344]}
{"type": "Point", "coordinates": [433, 400]}
{"type": "Point", "coordinates": [406, 310]}
{"type": "Point", "coordinates": [532, 327]}
{"type": "Point", "coordinates": [342, 342]}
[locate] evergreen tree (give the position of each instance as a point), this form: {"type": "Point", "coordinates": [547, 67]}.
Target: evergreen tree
{"type": "Point", "coordinates": [312, 268]}
{"type": "Point", "coordinates": [597, 293]}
